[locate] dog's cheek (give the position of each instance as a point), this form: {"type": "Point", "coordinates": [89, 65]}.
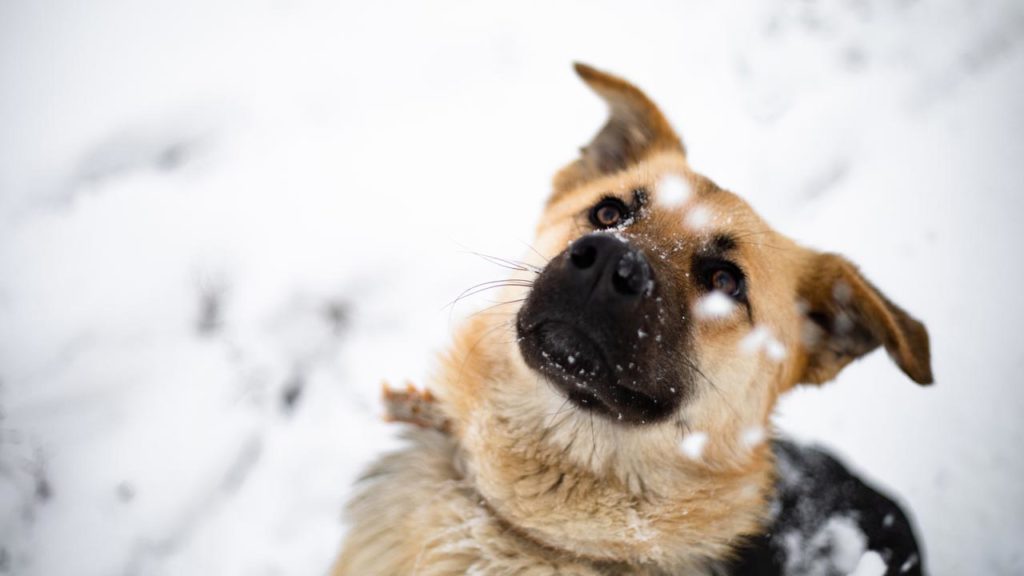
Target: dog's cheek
{"type": "Point", "coordinates": [734, 393]}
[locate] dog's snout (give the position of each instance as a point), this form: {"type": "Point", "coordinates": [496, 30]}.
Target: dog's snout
{"type": "Point", "coordinates": [585, 326]}
{"type": "Point", "coordinates": [604, 263]}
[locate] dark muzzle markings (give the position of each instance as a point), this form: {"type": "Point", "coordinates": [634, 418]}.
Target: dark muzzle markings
{"type": "Point", "coordinates": [598, 325]}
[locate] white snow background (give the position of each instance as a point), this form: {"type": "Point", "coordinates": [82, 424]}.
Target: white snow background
{"type": "Point", "coordinates": [222, 224]}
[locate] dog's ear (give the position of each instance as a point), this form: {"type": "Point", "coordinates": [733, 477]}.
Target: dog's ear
{"type": "Point", "coordinates": [846, 317]}
{"type": "Point", "coordinates": [635, 128]}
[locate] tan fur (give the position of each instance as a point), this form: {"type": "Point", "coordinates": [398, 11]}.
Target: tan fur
{"type": "Point", "coordinates": [523, 483]}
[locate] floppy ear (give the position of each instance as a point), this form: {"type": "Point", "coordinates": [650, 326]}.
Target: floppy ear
{"type": "Point", "coordinates": [846, 317]}
{"type": "Point", "coordinates": [635, 127]}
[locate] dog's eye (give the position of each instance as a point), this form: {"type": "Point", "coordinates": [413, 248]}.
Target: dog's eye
{"type": "Point", "coordinates": [725, 282]}
{"type": "Point", "coordinates": [723, 276]}
{"type": "Point", "coordinates": [608, 213]}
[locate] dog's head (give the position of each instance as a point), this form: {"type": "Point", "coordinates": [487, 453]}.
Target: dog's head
{"type": "Point", "coordinates": [664, 286]}
{"type": "Point", "coordinates": [663, 321]}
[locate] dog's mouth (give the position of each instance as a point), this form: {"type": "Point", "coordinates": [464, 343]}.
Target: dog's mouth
{"type": "Point", "coordinates": [568, 350]}
{"type": "Point", "coordinates": [580, 369]}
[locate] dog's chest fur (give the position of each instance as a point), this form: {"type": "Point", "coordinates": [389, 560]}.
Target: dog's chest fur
{"type": "Point", "coordinates": [618, 503]}
{"type": "Point", "coordinates": [418, 513]}
{"type": "Point", "coordinates": [509, 489]}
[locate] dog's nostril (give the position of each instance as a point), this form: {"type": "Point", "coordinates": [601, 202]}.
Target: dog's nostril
{"type": "Point", "coordinates": [632, 273]}
{"type": "Point", "coordinates": [583, 255]}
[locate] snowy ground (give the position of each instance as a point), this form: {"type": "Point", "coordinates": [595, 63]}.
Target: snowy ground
{"type": "Point", "coordinates": [222, 225]}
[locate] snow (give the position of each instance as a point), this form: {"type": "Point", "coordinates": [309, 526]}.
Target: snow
{"type": "Point", "coordinates": [698, 218]}
{"type": "Point", "coordinates": [214, 245]}
{"type": "Point", "coordinates": [842, 292]}
{"type": "Point", "coordinates": [693, 444]}
{"type": "Point", "coordinates": [847, 543]}
{"type": "Point", "coordinates": [774, 349]}
{"type": "Point", "coordinates": [638, 528]}
{"type": "Point", "coordinates": [871, 564]}
{"type": "Point", "coordinates": [909, 563]}
{"type": "Point", "coordinates": [752, 437]}
{"type": "Point", "coordinates": [761, 338]}
{"type": "Point", "coordinates": [836, 548]}
{"type": "Point", "coordinates": [713, 305]}
{"type": "Point", "coordinates": [673, 191]}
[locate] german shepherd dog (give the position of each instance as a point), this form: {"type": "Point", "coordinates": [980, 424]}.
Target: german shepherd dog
{"type": "Point", "coordinates": [613, 416]}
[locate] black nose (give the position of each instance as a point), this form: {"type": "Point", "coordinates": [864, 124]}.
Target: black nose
{"type": "Point", "coordinates": [605, 264]}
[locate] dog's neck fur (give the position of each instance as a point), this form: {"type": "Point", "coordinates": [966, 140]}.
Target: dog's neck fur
{"type": "Point", "coordinates": [551, 472]}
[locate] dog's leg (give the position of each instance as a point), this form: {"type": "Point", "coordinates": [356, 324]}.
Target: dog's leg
{"type": "Point", "coordinates": [818, 500]}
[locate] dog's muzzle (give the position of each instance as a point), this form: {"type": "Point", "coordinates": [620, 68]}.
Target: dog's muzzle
{"type": "Point", "coordinates": [595, 325]}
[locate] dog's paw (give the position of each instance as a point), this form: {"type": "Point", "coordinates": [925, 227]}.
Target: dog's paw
{"type": "Point", "coordinates": [413, 406]}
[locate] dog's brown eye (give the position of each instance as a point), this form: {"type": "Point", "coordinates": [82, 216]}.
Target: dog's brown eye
{"type": "Point", "coordinates": [608, 213]}
{"type": "Point", "coordinates": [718, 275]}
{"type": "Point", "coordinates": [725, 282]}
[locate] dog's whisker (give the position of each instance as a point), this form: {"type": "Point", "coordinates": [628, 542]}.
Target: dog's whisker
{"type": "Point", "coordinates": [486, 311]}
{"type": "Point", "coordinates": [504, 262]}
{"type": "Point", "coordinates": [508, 263]}
{"type": "Point", "coordinates": [565, 403]}
{"type": "Point", "coordinates": [485, 286]}
{"type": "Point", "coordinates": [496, 284]}
{"type": "Point", "coordinates": [472, 349]}
{"type": "Point", "coordinates": [714, 386]}
{"type": "Point", "coordinates": [543, 257]}
{"type": "Point", "coordinates": [593, 440]}
{"type": "Point", "coordinates": [684, 425]}
{"type": "Point", "coordinates": [494, 314]}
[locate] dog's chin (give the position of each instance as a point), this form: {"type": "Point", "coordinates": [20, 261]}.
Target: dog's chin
{"type": "Point", "coordinates": [579, 368]}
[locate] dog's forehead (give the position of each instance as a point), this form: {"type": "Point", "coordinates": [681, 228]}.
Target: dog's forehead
{"type": "Point", "coordinates": [672, 198]}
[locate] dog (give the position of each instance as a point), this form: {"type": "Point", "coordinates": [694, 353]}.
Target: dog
{"type": "Point", "coordinates": [611, 416]}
